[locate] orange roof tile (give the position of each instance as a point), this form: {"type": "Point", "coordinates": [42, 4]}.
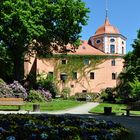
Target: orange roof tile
{"type": "Point", "coordinates": [86, 49]}
{"type": "Point", "coordinates": [107, 28]}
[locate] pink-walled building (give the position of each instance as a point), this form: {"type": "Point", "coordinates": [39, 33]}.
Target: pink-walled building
{"type": "Point", "coordinates": [93, 74]}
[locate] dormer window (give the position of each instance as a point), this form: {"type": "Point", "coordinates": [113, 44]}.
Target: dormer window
{"type": "Point", "coordinates": [83, 47]}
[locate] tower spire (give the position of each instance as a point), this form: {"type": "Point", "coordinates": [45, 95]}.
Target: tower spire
{"type": "Point", "coordinates": [106, 17]}
{"type": "Point", "coordinates": [106, 9]}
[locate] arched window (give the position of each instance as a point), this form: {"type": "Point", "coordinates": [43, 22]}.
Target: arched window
{"type": "Point", "coordinates": [112, 48]}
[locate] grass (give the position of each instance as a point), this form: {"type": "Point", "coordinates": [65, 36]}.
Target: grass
{"type": "Point", "coordinates": [56, 104]}
{"type": "Point", "coordinates": [116, 109]}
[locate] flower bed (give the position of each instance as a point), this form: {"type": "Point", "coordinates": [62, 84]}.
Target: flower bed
{"type": "Point", "coordinates": [50, 127]}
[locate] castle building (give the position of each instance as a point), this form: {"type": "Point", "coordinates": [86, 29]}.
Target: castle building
{"type": "Point", "coordinates": [93, 67]}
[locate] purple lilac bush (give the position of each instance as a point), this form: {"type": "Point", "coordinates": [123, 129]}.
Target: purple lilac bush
{"type": "Point", "coordinates": [18, 90]}
{"type": "Point", "coordinates": [51, 127]}
{"type": "Point", "coordinates": [5, 90]}
{"type": "Point", "coordinates": [47, 96]}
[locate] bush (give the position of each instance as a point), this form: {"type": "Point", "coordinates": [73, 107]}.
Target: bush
{"type": "Point", "coordinates": [18, 90]}
{"type": "Point", "coordinates": [46, 95]}
{"type": "Point", "coordinates": [35, 96]}
{"type": "Point", "coordinates": [42, 127]}
{"type": "Point", "coordinates": [47, 83]}
{"type": "Point", "coordinates": [89, 96]}
{"type": "Point", "coordinates": [5, 90]}
{"type": "Point", "coordinates": [66, 92]}
{"type": "Point", "coordinates": [108, 95]}
{"type": "Point", "coordinates": [135, 90]}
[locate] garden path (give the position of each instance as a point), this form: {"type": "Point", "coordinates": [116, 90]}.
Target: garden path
{"type": "Point", "coordinates": [82, 109]}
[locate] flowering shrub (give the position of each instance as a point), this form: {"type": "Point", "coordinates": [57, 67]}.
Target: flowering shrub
{"type": "Point", "coordinates": [34, 96]}
{"type": "Point", "coordinates": [47, 96]}
{"type": "Point", "coordinates": [5, 91]}
{"type": "Point", "coordinates": [43, 127]}
{"type": "Point", "coordinates": [18, 90]}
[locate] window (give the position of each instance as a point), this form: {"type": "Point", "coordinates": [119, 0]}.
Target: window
{"type": "Point", "coordinates": [86, 61]}
{"type": "Point", "coordinates": [64, 61]}
{"type": "Point", "coordinates": [92, 75]}
{"type": "Point", "coordinates": [112, 40]}
{"type": "Point", "coordinates": [114, 76]}
{"type": "Point", "coordinates": [112, 48]}
{"type": "Point", "coordinates": [72, 86]}
{"type": "Point", "coordinates": [98, 41]}
{"type": "Point", "coordinates": [113, 62]}
{"type": "Point", "coordinates": [122, 50]}
{"type": "Point", "coordinates": [63, 77]}
{"type": "Point", "coordinates": [84, 91]}
{"type": "Point", "coordinates": [122, 42]}
{"type": "Point", "coordinates": [74, 75]}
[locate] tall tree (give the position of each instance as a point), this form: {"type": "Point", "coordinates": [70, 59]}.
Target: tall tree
{"type": "Point", "coordinates": [40, 26]}
{"type": "Point", "coordinates": [131, 70]}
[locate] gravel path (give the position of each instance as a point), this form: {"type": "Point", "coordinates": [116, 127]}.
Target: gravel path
{"type": "Point", "coordinates": [82, 109]}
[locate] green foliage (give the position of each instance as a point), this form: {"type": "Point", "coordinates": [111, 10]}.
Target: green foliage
{"type": "Point", "coordinates": [40, 26]}
{"type": "Point", "coordinates": [47, 83]}
{"type": "Point", "coordinates": [75, 63]}
{"type": "Point", "coordinates": [89, 96]}
{"type": "Point", "coordinates": [2, 81]}
{"type": "Point", "coordinates": [35, 96]}
{"type": "Point", "coordinates": [6, 64]}
{"type": "Point", "coordinates": [135, 89]}
{"type": "Point", "coordinates": [126, 89]}
{"type": "Point", "coordinates": [66, 92]}
{"type": "Point", "coordinates": [108, 95]}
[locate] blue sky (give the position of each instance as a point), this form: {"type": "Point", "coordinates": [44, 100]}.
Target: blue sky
{"type": "Point", "coordinates": [124, 14]}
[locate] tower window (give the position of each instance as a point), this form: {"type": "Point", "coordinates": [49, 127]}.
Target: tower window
{"type": "Point", "coordinates": [112, 40]}
{"type": "Point", "coordinates": [98, 41]}
{"type": "Point", "coordinates": [122, 50]}
{"type": "Point", "coordinates": [113, 63]}
{"type": "Point", "coordinates": [92, 75]}
{"type": "Point", "coordinates": [112, 48]}
{"type": "Point", "coordinates": [114, 75]}
{"type": "Point", "coordinates": [122, 42]}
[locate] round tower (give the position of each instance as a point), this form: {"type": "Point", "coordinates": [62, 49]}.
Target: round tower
{"type": "Point", "coordinates": [108, 39]}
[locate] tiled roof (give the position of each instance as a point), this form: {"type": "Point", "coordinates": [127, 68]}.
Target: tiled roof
{"type": "Point", "coordinates": [107, 28]}
{"type": "Point", "coordinates": [86, 49]}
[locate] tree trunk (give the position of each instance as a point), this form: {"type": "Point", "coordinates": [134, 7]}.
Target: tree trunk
{"type": "Point", "coordinates": [18, 69]}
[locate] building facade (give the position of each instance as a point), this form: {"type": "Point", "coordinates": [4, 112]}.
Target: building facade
{"type": "Point", "coordinates": [94, 66]}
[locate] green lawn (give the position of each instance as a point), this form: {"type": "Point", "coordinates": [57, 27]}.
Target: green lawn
{"type": "Point", "coordinates": [116, 108]}
{"type": "Point", "coordinates": [57, 104]}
